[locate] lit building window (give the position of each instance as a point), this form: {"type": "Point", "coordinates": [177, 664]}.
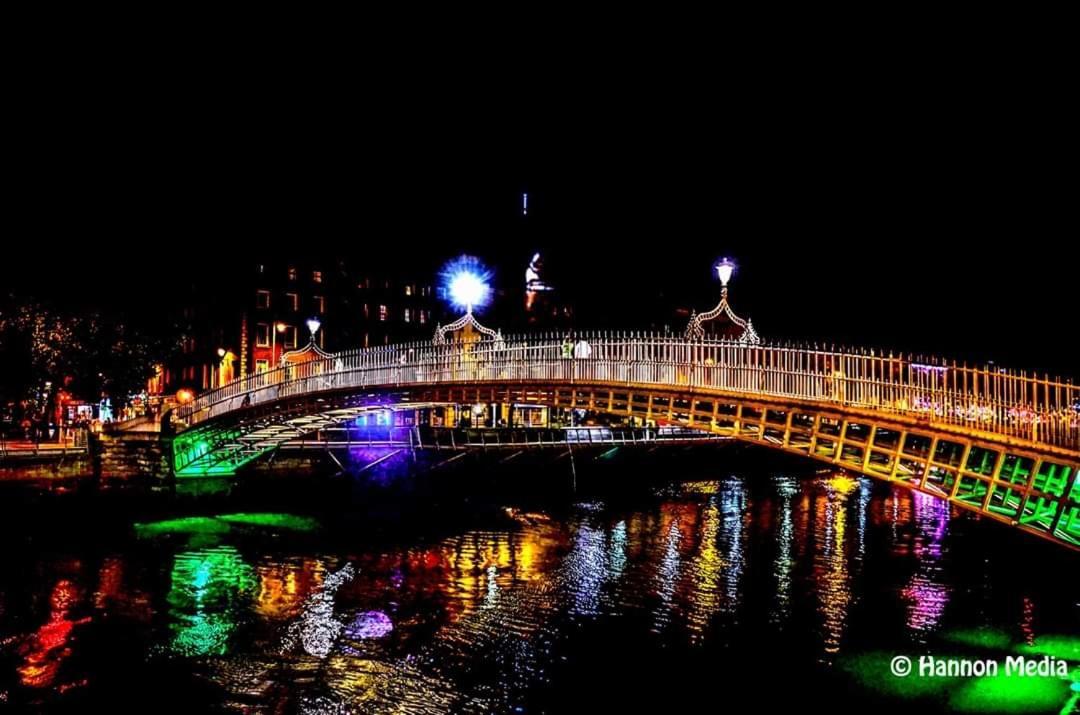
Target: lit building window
{"type": "Point", "coordinates": [261, 268]}
{"type": "Point", "coordinates": [262, 335]}
{"type": "Point", "coordinates": [290, 336]}
{"type": "Point", "coordinates": [320, 304]}
{"type": "Point", "coordinates": [262, 365]}
{"type": "Point", "coordinates": [383, 313]}
{"type": "Point", "coordinates": [262, 299]}
{"type": "Point", "coordinates": [422, 316]}
{"type": "Point", "coordinates": [316, 276]}
{"type": "Point", "coordinates": [293, 301]}
{"type": "Point", "coordinates": [408, 289]}
{"type": "Point", "coordinates": [367, 312]}
{"type": "Point", "coordinates": [408, 315]}
{"type": "Point", "coordinates": [292, 273]}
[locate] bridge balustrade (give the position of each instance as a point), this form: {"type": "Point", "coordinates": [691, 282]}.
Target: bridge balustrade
{"type": "Point", "coordinates": [983, 399]}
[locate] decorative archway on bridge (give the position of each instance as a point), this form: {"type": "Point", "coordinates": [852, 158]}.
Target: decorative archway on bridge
{"type": "Point", "coordinates": [743, 329]}
{"type": "Point", "coordinates": [468, 329]}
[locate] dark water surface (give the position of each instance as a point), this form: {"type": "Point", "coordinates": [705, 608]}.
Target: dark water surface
{"type": "Point", "coordinates": [735, 588]}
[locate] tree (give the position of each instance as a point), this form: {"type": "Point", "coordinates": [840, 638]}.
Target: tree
{"type": "Point", "coordinates": [89, 354]}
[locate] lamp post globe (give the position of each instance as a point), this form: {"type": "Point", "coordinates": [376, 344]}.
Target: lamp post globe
{"type": "Point", "coordinates": [724, 270]}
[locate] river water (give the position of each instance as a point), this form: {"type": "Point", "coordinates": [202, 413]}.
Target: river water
{"type": "Point", "coordinates": [744, 587]}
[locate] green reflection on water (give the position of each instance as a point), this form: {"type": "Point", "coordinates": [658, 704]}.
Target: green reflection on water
{"type": "Point", "coordinates": [1058, 646]}
{"type": "Point", "coordinates": [279, 521]}
{"type": "Point", "coordinates": [1003, 692]}
{"type": "Point", "coordinates": [1010, 694]}
{"type": "Point", "coordinates": [873, 670]}
{"type": "Point", "coordinates": [223, 523]}
{"type": "Point", "coordinates": [208, 588]}
{"type": "Point", "coordinates": [186, 525]}
{"type": "Point", "coordinates": [979, 638]}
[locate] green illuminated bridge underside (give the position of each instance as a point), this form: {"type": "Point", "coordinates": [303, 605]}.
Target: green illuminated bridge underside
{"type": "Point", "coordinates": [1005, 445]}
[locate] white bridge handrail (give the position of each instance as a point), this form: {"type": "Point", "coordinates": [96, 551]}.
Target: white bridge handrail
{"type": "Point", "coordinates": [986, 399]}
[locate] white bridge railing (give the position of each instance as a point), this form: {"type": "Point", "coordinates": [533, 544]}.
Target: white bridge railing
{"type": "Point", "coordinates": [979, 398]}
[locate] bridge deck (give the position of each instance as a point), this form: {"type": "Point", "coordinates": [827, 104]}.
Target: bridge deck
{"type": "Point", "coordinates": [1004, 444]}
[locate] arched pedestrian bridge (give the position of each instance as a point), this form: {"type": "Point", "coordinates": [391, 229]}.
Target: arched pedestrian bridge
{"type": "Point", "coordinates": [1004, 444]}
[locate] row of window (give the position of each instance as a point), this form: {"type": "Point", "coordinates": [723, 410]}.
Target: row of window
{"type": "Point", "coordinates": [409, 289]}
{"type": "Point", "coordinates": [292, 301]}
{"type": "Point", "coordinates": [316, 276]}
{"type": "Point", "coordinates": [286, 335]}
{"type": "Point", "coordinates": [409, 315]}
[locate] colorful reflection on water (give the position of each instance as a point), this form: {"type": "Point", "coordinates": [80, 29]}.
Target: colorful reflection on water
{"type": "Point", "coordinates": [830, 573]}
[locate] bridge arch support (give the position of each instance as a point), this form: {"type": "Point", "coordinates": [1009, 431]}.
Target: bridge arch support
{"type": "Point", "coordinates": [1036, 490]}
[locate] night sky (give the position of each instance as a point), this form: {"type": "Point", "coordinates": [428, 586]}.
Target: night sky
{"type": "Point", "coordinates": [922, 223]}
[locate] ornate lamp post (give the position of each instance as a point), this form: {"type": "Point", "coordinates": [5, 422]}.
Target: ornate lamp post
{"type": "Point", "coordinates": [313, 325]}
{"type": "Point", "coordinates": [467, 287]}
{"type": "Point", "coordinates": [725, 269]}
{"type": "Point", "coordinates": [309, 352]}
{"type": "Point", "coordinates": [276, 328]}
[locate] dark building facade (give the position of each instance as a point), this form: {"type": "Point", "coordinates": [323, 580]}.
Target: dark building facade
{"type": "Point", "coordinates": [242, 321]}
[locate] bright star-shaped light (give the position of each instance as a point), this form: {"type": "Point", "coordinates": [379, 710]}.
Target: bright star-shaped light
{"type": "Point", "coordinates": [467, 283]}
{"type": "Point", "coordinates": [467, 290]}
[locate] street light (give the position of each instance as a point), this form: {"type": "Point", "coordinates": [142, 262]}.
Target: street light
{"type": "Point", "coordinates": [224, 367]}
{"type": "Point", "coordinates": [313, 325]}
{"type": "Point", "coordinates": [279, 327]}
{"type": "Point", "coordinates": [724, 269]}
{"type": "Point", "coordinates": [467, 285]}
{"type": "Point", "coordinates": [468, 289]}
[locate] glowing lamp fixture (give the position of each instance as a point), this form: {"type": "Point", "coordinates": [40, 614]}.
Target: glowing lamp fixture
{"type": "Point", "coordinates": [466, 283]}
{"type": "Point", "coordinates": [468, 289]}
{"type": "Point", "coordinates": [313, 325]}
{"type": "Point", "coordinates": [221, 352]}
{"type": "Point", "coordinates": [724, 269]}
{"type": "Point", "coordinates": [184, 396]}
{"type": "Point", "coordinates": [281, 327]}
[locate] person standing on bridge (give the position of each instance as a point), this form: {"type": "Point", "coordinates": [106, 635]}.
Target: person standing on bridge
{"type": "Point", "coordinates": [567, 347]}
